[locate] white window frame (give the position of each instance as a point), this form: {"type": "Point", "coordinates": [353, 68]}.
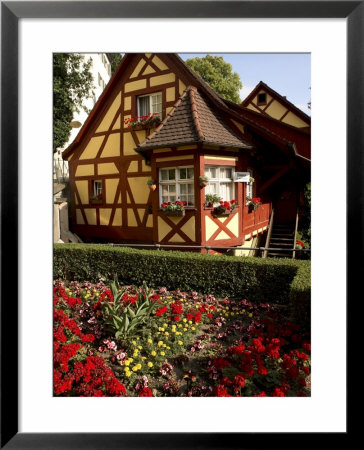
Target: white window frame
{"type": "Point", "coordinates": [218, 180]}
{"type": "Point", "coordinates": [151, 109]}
{"type": "Point", "coordinates": [177, 182]}
{"type": "Point", "coordinates": [249, 186]}
{"type": "Point", "coordinates": [97, 187]}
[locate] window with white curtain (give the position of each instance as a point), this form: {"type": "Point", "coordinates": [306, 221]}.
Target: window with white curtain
{"type": "Point", "coordinates": [150, 104]}
{"type": "Point", "coordinates": [97, 185]}
{"type": "Point", "coordinates": [220, 182]}
{"type": "Point", "coordinates": [177, 183]}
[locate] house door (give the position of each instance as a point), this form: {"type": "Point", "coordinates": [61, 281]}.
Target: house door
{"type": "Point", "coordinates": [285, 207]}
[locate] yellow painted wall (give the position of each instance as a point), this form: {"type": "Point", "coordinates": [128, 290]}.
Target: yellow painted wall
{"type": "Point", "coordinates": [233, 225]}
{"type": "Point", "coordinates": [105, 214]}
{"type": "Point", "coordinates": [84, 170]}
{"type": "Point", "coordinates": [79, 218]}
{"type": "Point", "coordinates": [107, 168]}
{"type": "Point", "coordinates": [293, 120]}
{"type": "Point", "coordinates": [117, 218]}
{"type": "Point", "coordinates": [110, 115]}
{"type": "Point", "coordinates": [132, 222]}
{"type": "Point", "coordinates": [112, 146]}
{"type": "Point", "coordinates": [139, 187]}
{"type": "Point", "coordinates": [148, 70]}
{"type": "Point", "coordinates": [110, 187]}
{"type": "Point", "coordinates": [135, 85]}
{"type": "Point", "coordinates": [189, 228]}
{"type": "Point", "coordinates": [82, 188]}
{"type": "Point", "coordinates": [138, 68]}
{"type": "Point", "coordinates": [159, 63]}
{"type": "Point", "coordinates": [162, 79]}
{"type": "Point", "coordinates": [210, 227]}
{"type": "Point", "coordinates": [163, 228]}
{"type": "Point", "coordinates": [276, 110]}
{"type": "Point", "coordinates": [92, 147]}
{"type": "Point", "coordinates": [90, 216]}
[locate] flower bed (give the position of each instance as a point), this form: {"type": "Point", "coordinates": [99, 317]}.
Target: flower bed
{"type": "Point", "coordinates": [128, 341]}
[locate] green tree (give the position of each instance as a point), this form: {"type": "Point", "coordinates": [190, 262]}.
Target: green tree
{"type": "Point", "coordinates": [219, 75]}
{"type": "Point", "coordinates": [114, 59]}
{"type": "Point", "coordinates": [72, 83]}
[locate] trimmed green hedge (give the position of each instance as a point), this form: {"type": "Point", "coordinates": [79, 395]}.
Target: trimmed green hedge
{"type": "Point", "coordinates": [281, 281]}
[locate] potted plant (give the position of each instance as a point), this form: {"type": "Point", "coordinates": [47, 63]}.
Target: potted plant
{"type": "Point", "coordinates": [204, 181]}
{"type": "Point", "coordinates": [149, 208]}
{"type": "Point", "coordinates": [143, 122]}
{"type": "Point", "coordinates": [253, 203]}
{"type": "Point", "coordinates": [211, 199]}
{"type": "Point", "coordinates": [96, 198]}
{"type": "Point", "coordinates": [225, 208]}
{"type": "Point", "coordinates": [152, 185]}
{"type": "Point", "coordinates": [176, 209]}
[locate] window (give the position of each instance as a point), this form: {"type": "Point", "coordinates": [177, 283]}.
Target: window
{"type": "Point", "coordinates": [262, 98]}
{"type": "Point", "coordinates": [150, 104]}
{"type": "Point", "coordinates": [220, 182]}
{"type": "Point", "coordinates": [177, 183]}
{"type": "Point", "coordinates": [97, 187]}
{"type": "Point", "coordinates": [249, 186]}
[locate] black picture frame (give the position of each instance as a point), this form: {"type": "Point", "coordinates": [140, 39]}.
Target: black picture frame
{"type": "Point", "coordinates": [11, 12]}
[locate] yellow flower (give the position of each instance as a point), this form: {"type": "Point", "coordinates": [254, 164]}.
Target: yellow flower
{"type": "Point", "coordinates": [153, 353]}
{"type": "Point", "coordinates": [179, 325]}
{"type": "Point", "coordinates": [165, 325]}
{"type": "Point", "coordinates": [135, 368]}
{"type": "Point", "coordinates": [185, 329]}
{"type": "Point", "coordinates": [190, 322]}
{"type": "Point", "coordinates": [184, 320]}
{"type": "Point", "coordinates": [193, 328]}
{"type": "Point", "coordinates": [180, 343]}
{"type": "Point", "coordinates": [131, 359]}
{"type": "Point", "coordinates": [140, 347]}
{"type": "Point", "coordinates": [250, 315]}
{"type": "Point", "coordinates": [127, 362]}
{"type": "Point", "coordinates": [139, 366]}
{"type": "Point", "coordinates": [128, 374]}
{"type": "Point", "coordinates": [166, 333]}
{"type": "Point", "coordinates": [162, 353]}
{"type": "Point", "coordinates": [144, 357]}
{"type": "Point", "coordinates": [160, 329]}
{"type": "Point", "coordinates": [150, 364]}
{"type": "Point", "coordinates": [133, 342]}
{"type": "Point", "coordinates": [160, 343]}
{"type": "Point", "coordinates": [168, 348]}
{"type": "Point", "coordinates": [150, 341]}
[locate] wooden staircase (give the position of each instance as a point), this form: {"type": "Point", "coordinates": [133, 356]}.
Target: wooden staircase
{"type": "Point", "coordinates": [282, 236]}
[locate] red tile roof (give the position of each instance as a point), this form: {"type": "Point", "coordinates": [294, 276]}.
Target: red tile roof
{"type": "Point", "coordinates": [191, 121]}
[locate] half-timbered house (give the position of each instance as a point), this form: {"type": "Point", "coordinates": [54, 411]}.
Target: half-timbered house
{"type": "Point", "coordinates": [245, 151]}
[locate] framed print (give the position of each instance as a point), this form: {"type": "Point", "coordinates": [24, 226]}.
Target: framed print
{"type": "Point", "coordinates": [30, 417]}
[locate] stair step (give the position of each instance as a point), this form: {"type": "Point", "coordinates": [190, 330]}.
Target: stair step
{"type": "Point", "coordinates": [281, 239]}
{"type": "Point", "coordinates": [280, 244]}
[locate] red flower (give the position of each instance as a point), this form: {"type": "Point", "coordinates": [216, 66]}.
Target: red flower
{"type": "Point", "coordinates": [220, 363]}
{"type": "Point", "coordinates": [277, 393]}
{"type": "Point", "coordinates": [176, 318]}
{"type": "Point", "coordinates": [161, 311]}
{"type": "Point", "coordinates": [239, 380]}
{"type": "Point", "coordinates": [145, 392]}
{"type": "Point", "coordinates": [220, 391]}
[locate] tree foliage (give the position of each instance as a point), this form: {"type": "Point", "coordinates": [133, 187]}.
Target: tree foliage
{"type": "Point", "coordinates": [219, 75]}
{"type": "Point", "coordinates": [72, 83]}
{"type": "Point", "coordinates": [114, 59]}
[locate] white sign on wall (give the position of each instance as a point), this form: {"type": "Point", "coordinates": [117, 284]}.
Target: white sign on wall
{"type": "Point", "coordinates": [242, 177]}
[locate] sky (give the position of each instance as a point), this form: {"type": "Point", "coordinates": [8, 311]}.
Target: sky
{"type": "Point", "coordinates": [287, 73]}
